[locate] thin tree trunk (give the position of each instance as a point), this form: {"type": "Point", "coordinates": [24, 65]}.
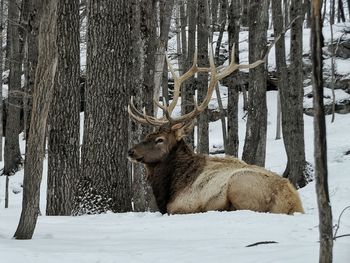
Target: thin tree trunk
{"type": "Point", "coordinates": [64, 117]}
{"type": "Point", "coordinates": [188, 88]}
{"type": "Point", "coordinates": [281, 64]}
{"type": "Point", "coordinates": [1, 71]}
{"type": "Point", "coordinates": [12, 152]}
{"type": "Point", "coordinates": [233, 88]}
{"type": "Point", "coordinates": [42, 96]}
{"type": "Point", "coordinates": [255, 141]}
{"type": "Point", "coordinates": [143, 199]}
{"type": "Point", "coordinates": [292, 103]}
{"type": "Point", "coordinates": [166, 8]}
{"type": "Point", "coordinates": [184, 23]}
{"type": "Point", "coordinates": [341, 15]}
{"type": "Point", "coordinates": [320, 147]}
{"type": "Point", "coordinates": [202, 79]}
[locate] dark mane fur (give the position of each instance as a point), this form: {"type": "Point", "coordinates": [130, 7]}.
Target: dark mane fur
{"type": "Point", "coordinates": [178, 170]}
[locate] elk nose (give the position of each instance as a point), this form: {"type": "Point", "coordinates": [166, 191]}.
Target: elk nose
{"type": "Point", "coordinates": [131, 152]}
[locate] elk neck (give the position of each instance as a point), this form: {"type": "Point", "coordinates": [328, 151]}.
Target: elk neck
{"type": "Point", "coordinates": [177, 171]}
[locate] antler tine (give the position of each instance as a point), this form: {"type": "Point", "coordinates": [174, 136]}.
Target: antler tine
{"type": "Point", "coordinates": [199, 108]}
{"type": "Point", "coordinates": [142, 117]}
{"type": "Point", "coordinates": [179, 80]}
{"type": "Point", "coordinates": [135, 117]}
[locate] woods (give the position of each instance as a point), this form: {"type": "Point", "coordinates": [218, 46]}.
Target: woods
{"type": "Point", "coordinates": [72, 71]}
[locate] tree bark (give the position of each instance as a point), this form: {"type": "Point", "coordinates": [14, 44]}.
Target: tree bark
{"type": "Point", "coordinates": [255, 140]}
{"type": "Point", "coordinates": [202, 78]}
{"type": "Point", "coordinates": [64, 116]}
{"type": "Point", "coordinates": [143, 199]}
{"type": "Point", "coordinates": [1, 71]}
{"type": "Point", "coordinates": [292, 103]}
{"type": "Point", "coordinates": [188, 88]}
{"type": "Point", "coordinates": [233, 88]}
{"type": "Point", "coordinates": [12, 153]}
{"type": "Point", "coordinates": [42, 96]}
{"type": "Point", "coordinates": [105, 182]}
{"type": "Point", "coordinates": [30, 16]}
{"type": "Point", "coordinates": [320, 140]}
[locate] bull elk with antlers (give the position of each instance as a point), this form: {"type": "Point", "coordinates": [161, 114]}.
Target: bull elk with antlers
{"type": "Point", "coordinates": [186, 182]}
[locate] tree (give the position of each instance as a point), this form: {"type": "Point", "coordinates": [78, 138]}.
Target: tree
{"type": "Point", "coordinates": [105, 183]}
{"type": "Point", "coordinates": [255, 140]}
{"type": "Point", "coordinates": [64, 117]}
{"type": "Point", "coordinates": [292, 103]}
{"type": "Point", "coordinates": [233, 87]}
{"type": "Point", "coordinates": [12, 152]}
{"type": "Point", "coordinates": [320, 141]}
{"type": "Point", "coordinates": [30, 19]}
{"type": "Point", "coordinates": [188, 88]}
{"type": "Point", "coordinates": [42, 96]}
{"type": "Point", "coordinates": [202, 78]}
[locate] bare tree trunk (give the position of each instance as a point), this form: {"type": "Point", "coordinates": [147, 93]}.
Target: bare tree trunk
{"type": "Point", "coordinates": [341, 15]}
{"type": "Point", "coordinates": [281, 65]}
{"type": "Point", "coordinates": [143, 199]}
{"type": "Point", "coordinates": [42, 96]}
{"type": "Point", "coordinates": [31, 20]}
{"type": "Point", "coordinates": [332, 12]}
{"type": "Point", "coordinates": [12, 152]}
{"type": "Point", "coordinates": [166, 8]}
{"type": "Point", "coordinates": [233, 88]}
{"type": "Point", "coordinates": [1, 71]}
{"type": "Point", "coordinates": [286, 4]}
{"type": "Point", "coordinates": [106, 183]}
{"type": "Point", "coordinates": [255, 140]}
{"type": "Point", "coordinates": [202, 79]}
{"type": "Point", "coordinates": [188, 89]}
{"type": "Point", "coordinates": [184, 23]}
{"type": "Point", "coordinates": [292, 103]}
{"type": "Point", "coordinates": [64, 116]}
{"type": "Point", "coordinates": [214, 14]}
{"type": "Point", "coordinates": [321, 170]}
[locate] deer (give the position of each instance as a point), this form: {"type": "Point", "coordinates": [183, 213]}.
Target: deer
{"type": "Point", "coordinates": [185, 182]}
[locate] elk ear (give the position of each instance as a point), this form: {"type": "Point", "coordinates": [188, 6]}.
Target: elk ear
{"type": "Point", "coordinates": [182, 129]}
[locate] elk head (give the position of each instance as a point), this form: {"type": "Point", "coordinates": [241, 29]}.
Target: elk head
{"type": "Point", "coordinates": [171, 130]}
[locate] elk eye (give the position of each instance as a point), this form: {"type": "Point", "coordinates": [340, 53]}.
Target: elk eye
{"type": "Point", "coordinates": [159, 140]}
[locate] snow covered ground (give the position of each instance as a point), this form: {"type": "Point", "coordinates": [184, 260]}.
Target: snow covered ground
{"type": "Point", "coordinates": [206, 237]}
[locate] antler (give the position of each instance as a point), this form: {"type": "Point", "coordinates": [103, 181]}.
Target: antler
{"type": "Point", "coordinates": [215, 76]}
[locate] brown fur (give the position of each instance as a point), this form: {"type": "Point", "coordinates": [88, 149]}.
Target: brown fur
{"type": "Point", "coordinates": [185, 182]}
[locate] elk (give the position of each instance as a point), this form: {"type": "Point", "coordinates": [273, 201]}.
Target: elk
{"type": "Point", "coordinates": [185, 182]}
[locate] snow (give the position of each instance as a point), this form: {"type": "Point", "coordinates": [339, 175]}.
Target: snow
{"type": "Point", "coordinates": [205, 237]}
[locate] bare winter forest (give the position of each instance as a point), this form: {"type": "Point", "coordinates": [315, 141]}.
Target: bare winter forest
{"type": "Point", "coordinates": [175, 130]}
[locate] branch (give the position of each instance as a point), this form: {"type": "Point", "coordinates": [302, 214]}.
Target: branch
{"type": "Point", "coordinates": [338, 224]}
{"type": "Point", "coordinates": [262, 243]}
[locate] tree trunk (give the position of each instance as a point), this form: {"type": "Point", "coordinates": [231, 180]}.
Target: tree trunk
{"type": "Point", "coordinates": [341, 15]}
{"type": "Point", "coordinates": [233, 94]}
{"type": "Point", "coordinates": [320, 141]}
{"type": "Point", "coordinates": [105, 182]}
{"type": "Point", "coordinates": [166, 8]}
{"type": "Point", "coordinates": [202, 78]}
{"type": "Point", "coordinates": [31, 20]}
{"type": "Point", "coordinates": [143, 199]}
{"type": "Point", "coordinates": [64, 117]}
{"type": "Point", "coordinates": [255, 140]}
{"type": "Point", "coordinates": [188, 88]}
{"type": "Point", "coordinates": [292, 103]}
{"type": "Point", "coordinates": [281, 65]}
{"type": "Point", "coordinates": [42, 96]}
{"type": "Point", "coordinates": [12, 154]}
{"type": "Point", "coordinates": [214, 14]}
{"type": "Point", "coordinates": [184, 23]}
{"type": "Point", "coordinates": [1, 71]}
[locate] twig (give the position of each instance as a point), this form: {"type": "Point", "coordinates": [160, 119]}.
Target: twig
{"type": "Point", "coordinates": [338, 224]}
{"type": "Point", "coordinates": [345, 235]}
{"type": "Point", "coordinates": [262, 243]}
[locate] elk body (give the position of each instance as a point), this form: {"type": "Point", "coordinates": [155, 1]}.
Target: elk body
{"type": "Point", "coordinates": [186, 182]}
